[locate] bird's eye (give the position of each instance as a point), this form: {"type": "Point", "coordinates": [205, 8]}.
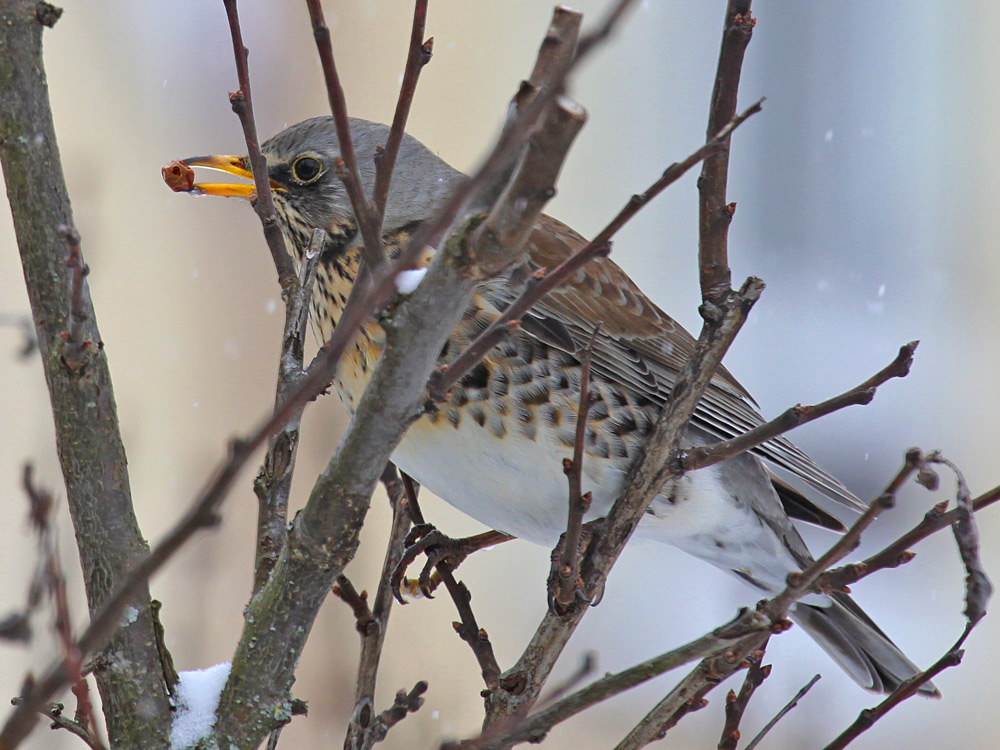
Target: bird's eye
{"type": "Point", "coordinates": [307, 169]}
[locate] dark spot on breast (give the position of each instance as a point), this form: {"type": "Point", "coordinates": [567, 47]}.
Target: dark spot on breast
{"type": "Point", "coordinates": [534, 394]}
{"type": "Point", "coordinates": [599, 411]}
{"type": "Point", "coordinates": [478, 377]}
{"type": "Point", "coordinates": [623, 424]}
{"type": "Point", "coordinates": [478, 414]}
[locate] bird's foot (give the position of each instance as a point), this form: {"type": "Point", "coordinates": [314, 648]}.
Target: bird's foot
{"type": "Point", "coordinates": [439, 548]}
{"type": "Point", "coordinates": [565, 583]}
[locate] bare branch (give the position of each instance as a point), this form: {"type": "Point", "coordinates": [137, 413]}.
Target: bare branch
{"type": "Point", "coordinates": [568, 567]}
{"type": "Point", "coordinates": [781, 714]}
{"type": "Point", "coordinates": [368, 223]}
{"type": "Point", "coordinates": [800, 583]}
{"type": "Point", "coordinates": [897, 553]}
{"type": "Point", "coordinates": [87, 433]}
{"type": "Point", "coordinates": [726, 639]}
{"type": "Point", "coordinates": [736, 705]}
{"type": "Point", "coordinates": [978, 588]}
{"type": "Point", "coordinates": [508, 145]}
{"type": "Point", "coordinates": [701, 456]}
{"type": "Point", "coordinates": [243, 107]}
{"type": "Point", "coordinates": [714, 214]}
{"type": "Point", "coordinates": [417, 57]}
{"type": "Point", "coordinates": [906, 689]}
{"type": "Point", "coordinates": [688, 695]}
{"type": "Point", "coordinates": [273, 482]}
{"type": "Point", "coordinates": [76, 347]}
{"type": "Point", "coordinates": [468, 630]}
{"type": "Point", "coordinates": [359, 733]}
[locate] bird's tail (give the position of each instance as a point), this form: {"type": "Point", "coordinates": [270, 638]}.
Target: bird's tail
{"type": "Point", "coordinates": [857, 644]}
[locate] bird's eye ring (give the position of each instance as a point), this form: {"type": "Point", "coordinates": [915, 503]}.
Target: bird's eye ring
{"type": "Point", "coordinates": [307, 169]}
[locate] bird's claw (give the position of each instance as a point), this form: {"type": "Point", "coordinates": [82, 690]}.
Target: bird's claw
{"type": "Point", "coordinates": [424, 539]}
{"type": "Point", "coordinates": [565, 584]}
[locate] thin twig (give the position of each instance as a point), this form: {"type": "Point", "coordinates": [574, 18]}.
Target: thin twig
{"type": "Point", "coordinates": [978, 588]}
{"type": "Point", "coordinates": [508, 729]}
{"type": "Point", "coordinates": [373, 637]}
{"type": "Point", "coordinates": [363, 211]}
{"type": "Point", "coordinates": [781, 714]}
{"type": "Point", "coordinates": [568, 567]}
{"type": "Point", "coordinates": [689, 694]}
{"type": "Point", "coordinates": [906, 689]}
{"type": "Point", "coordinates": [273, 482]}
{"type": "Point", "coordinates": [736, 704]}
{"type": "Point", "coordinates": [468, 630]}
{"type": "Point", "coordinates": [550, 279]}
{"type": "Point", "coordinates": [714, 213]}
{"type": "Point", "coordinates": [54, 582]}
{"type": "Point", "coordinates": [417, 57]}
{"type": "Point", "coordinates": [75, 346]}
{"type": "Point", "coordinates": [701, 456]}
{"type": "Point", "coordinates": [510, 142]}
{"type": "Point", "coordinates": [242, 104]}
{"type": "Point", "coordinates": [897, 552]}
{"type": "Point", "coordinates": [800, 583]}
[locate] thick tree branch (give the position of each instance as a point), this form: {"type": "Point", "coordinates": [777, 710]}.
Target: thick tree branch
{"type": "Point", "coordinates": [87, 434]}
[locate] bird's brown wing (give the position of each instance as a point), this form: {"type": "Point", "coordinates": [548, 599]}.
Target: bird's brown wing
{"type": "Point", "coordinates": [643, 347]}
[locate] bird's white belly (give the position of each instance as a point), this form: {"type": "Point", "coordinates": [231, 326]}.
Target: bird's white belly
{"type": "Point", "coordinates": [518, 486]}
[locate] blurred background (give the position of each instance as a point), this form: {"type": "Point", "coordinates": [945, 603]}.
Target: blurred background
{"type": "Point", "coordinates": [865, 192]}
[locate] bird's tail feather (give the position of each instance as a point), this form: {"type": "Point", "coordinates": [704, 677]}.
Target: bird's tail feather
{"type": "Point", "coordinates": [857, 644]}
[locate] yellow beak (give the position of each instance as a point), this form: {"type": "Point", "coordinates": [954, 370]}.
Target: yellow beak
{"type": "Point", "coordinates": [180, 177]}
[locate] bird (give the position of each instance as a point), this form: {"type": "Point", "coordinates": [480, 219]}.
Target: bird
{"type": "Point", "coordinates": [495, 448]}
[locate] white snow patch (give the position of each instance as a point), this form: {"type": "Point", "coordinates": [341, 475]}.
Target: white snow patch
{"type": "Point", "coordinates": [408, 281]}
{"type": "Point", "coordinates": [197, 698]}
{"type": "Point", "coordinates": [129, 615]}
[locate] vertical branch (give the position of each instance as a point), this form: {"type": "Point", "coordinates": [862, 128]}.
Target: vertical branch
{"type": "Point", "coordinates": [363, 211]}
{"type": "Point", "coordinates": [243, 107]}
{"type": "Point", "coordinates": [714, 214]}
{"type": "Point", "coordinates": [418, 56]}
{"type": "Point", "coordinates": [274, 480]}
{"type": "Point", "coordinates": [88, 438]}
{"type": "Point", "coordinates": [361, 731]}
{"type": "Point", "coordinates": [568, 570]}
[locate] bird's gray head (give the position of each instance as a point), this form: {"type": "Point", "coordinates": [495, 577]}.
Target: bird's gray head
{"type": "Point", "coordinates": [307, 192]}
{"type": "Point", "coordinates": [301, 160]}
